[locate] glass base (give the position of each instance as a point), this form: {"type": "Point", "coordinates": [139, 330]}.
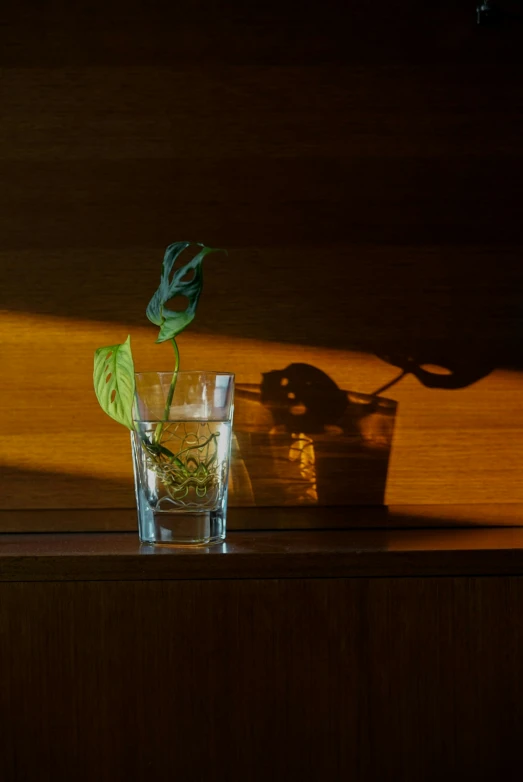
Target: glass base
{"type": "Point", "coordinates": [180, 528]}
{"type": "Point", "coordinates": [182, 503]}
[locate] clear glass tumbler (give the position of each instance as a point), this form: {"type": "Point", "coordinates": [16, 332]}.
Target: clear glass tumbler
{"type": "Point", "coordinates": [181, 452]}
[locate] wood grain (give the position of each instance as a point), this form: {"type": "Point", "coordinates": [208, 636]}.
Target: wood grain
{"type": "Point", "coordinates": [395, 296]}
{"type": "Point", "coordinates": [121, 32]}
{"type": "Point", "coordinates": [449, 447]}
{"type": "Point", "coordinates": [61, 201]}
{"type": "Point", "coordinates": [342, 678]}
{"type": "Point", "coordinates": [201, 115]}
{"type": "Point", "coordinates": [364, 168]}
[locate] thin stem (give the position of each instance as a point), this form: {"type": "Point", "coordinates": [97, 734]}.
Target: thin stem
{"type": "Point", "coordinates": [168, 402]}
{"type": "Point", "coordinates": [391, 383]}
{"type": "Point", "coordinates": [173, 381]}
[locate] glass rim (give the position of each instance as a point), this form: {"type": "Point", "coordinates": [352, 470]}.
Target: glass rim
{"type": "Point", "coordinates": [171, 372]}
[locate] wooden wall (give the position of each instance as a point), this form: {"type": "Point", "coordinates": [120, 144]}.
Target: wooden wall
{"type": "Point", "coordinates": [257, 679]}
{"type": "Point", "coordinates": [363, 166]}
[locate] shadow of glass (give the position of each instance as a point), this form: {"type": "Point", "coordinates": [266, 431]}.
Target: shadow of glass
{"type": "Point", "coordinates": [301, 440]}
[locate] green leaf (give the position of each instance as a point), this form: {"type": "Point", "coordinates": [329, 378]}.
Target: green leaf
{"type": "Point", "coordinates": [186, 281]}
{"type": "Point", "coordinates": [114, 384]}
{"type": "Point", "coordinates": [154, 308]}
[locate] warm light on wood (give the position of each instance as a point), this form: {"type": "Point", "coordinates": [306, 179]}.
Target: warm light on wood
{"type": "Point", "coordinates": [449, 447]}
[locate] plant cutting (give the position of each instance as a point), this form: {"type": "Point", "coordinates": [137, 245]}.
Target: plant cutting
{"type": "Point", "coordinates": [180, 422]}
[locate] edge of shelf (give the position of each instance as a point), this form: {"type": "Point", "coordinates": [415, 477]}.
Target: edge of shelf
{"type": "Point", "coordinates": [265, 555]}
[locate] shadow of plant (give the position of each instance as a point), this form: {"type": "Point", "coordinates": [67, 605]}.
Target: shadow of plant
{"type": "Point", "coordinates": [301, 440]}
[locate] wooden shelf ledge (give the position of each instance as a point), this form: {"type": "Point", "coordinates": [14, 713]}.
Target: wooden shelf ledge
{"type": "Point", "coordinates": [264, 555]}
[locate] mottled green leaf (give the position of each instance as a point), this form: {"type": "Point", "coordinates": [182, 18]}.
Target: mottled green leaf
{"type": "Point", "coordinates": [155, 307]}
{"type": "Point", "coordinates": [114, 384]}
{"type": "Point", "coordinates": [186, 281]}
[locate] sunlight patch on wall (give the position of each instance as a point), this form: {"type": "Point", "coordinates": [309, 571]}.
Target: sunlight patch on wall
{"type": "Point", "coordinates": [448, 446]}
{"type": "Point", "coordinates": [51, 419]}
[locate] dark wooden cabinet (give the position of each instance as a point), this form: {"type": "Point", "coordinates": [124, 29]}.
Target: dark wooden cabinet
{"type": "Point", "coordinates": [290, 655]}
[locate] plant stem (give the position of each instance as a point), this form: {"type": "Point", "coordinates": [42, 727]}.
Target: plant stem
{"type": "Point", "coordinates": [168, 401]}
{"type": "Point", "coordinates": [391, 383]}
